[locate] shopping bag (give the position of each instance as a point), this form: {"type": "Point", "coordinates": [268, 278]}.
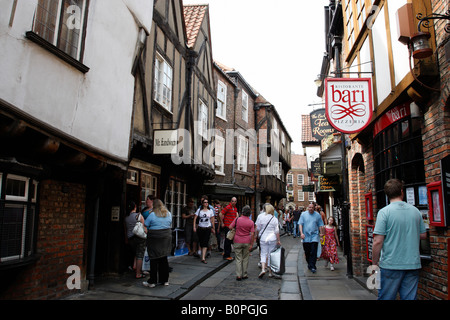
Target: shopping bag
{"type": "Point", "coordinates": [146, 261]}
{"type": "Point", "coordinates": [277, 260]}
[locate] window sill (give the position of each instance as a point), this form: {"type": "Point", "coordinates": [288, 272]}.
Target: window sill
{"type": "Point", "coordinates": [18, 263]}
{"type": "Point", "coordinates": [56, 51]}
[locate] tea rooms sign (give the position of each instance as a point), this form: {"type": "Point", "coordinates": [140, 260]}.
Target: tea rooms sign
{"type": "Point", "coordinates": [348, 103]}
{"type": "Point", "coordinates": [319, 124]}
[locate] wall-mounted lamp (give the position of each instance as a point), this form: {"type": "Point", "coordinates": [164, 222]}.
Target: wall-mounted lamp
{"type": "Point", "coordinates": [420, 46]}
{"type": "Point", "coordinates": [419, 41]}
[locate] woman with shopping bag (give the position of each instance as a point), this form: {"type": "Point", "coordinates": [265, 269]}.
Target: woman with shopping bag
{"type": "Point", "coordinates": [269, 236]}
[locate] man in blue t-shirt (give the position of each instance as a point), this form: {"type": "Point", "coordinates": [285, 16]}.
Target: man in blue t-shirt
{"type": "Point", "coordinates": [397, 234]}
{"type": "Point", "coordinates": [311, 227]}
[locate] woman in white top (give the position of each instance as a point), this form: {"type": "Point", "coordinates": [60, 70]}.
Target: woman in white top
{"type": "Point", "coordinates": [205, 226]}
{"type": "Point", "coordinates": [269, 236]}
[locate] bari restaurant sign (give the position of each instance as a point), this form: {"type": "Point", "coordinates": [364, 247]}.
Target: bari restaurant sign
{"type": "Point", "coordinates": [348, 103]}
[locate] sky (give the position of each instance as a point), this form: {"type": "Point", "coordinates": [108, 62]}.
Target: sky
{"type": "Point", "coordinates": [277, 46]}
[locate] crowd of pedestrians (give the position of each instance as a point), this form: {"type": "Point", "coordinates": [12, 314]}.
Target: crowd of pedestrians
{"type": "Point", "coordinates": [207, 224]}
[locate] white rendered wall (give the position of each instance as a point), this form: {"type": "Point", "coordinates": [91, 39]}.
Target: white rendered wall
{"type": "Point", "coordinates": [94, 108]}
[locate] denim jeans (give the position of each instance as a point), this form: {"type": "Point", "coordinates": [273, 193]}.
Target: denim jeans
{"type": "Point", "coordinates": [296, 233]}
{"type": "Point", "coordinates": [404, 282]}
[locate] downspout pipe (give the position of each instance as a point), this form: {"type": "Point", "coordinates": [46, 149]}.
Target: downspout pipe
{"type": "Point", "coordinates": [91, 276]}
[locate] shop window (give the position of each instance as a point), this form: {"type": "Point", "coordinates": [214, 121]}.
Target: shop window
{"type": "Point", "coordinates": [149, 185]}
{"type": "Point", "coordinates": [17, 217]}
{"type": "Point", "coordinates": [175, 199]}
{"type": "Point", "coordinates": [398, 154]}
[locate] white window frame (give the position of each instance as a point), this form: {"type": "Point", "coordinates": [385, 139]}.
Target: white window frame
{"type": "Point", "coordinates": [219, 155]}
{"type": "Point", "coordinates": [300, 179]}
{"type": "Point", "coordinates": [74, 21]}
{"type": "Point", "coordinates": [242, 153]}
{"type": "Point", "coordinates": [221, 111]}
{"type": "Point", "coordinates": [244, 106]}
{"type": "Point", "coordinates": [300, 195]}
{"type": "Point", "coordinates": [275, 140]}
{"type": "Point", "coordinates": [163, 82]}
{"type": "Point", "coordinates": [149, 186]}
{"type": "Point", "coordinates": [21, 202]}
{"type": "Point", "coordinates": [175, 200]}
{"type": "Point", "coordinates": [290, 178]}
{"type": "Point", "coordinates": [202, 119]}
{"type": "Point", "coordinates": [18, 178]}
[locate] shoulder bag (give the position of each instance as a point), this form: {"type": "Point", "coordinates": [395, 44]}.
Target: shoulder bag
{"type": "Point", "coordinates": [232, 232]}
{"type": "Point", "coordinates": [138, 229]}
{"type": "Point", "coordinates": [259, 237]}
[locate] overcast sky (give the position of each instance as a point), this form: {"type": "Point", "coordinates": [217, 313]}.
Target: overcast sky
{"type": "Point", "coordinates": [277, 46]}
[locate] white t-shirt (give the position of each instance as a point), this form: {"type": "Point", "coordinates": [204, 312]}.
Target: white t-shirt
{"type": "Point", "coordinates": [204, 218]}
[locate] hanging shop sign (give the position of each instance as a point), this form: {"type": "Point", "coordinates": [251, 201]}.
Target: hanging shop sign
{"type": "Point", "coordinates": [165, 141]}
{"type": "Point", "coordinates": [348, 103]}
{"type": "Point", "coordinates": [319, 124]}
{"type": "Point", "coordinates": [329, 183]}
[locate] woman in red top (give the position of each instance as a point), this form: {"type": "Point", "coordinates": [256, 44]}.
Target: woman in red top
{"type": "Point", "coordinates": [243, 241]}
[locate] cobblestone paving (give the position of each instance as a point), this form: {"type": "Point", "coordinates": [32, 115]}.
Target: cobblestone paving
{"type": "Point", "coordinates": [226, 287]}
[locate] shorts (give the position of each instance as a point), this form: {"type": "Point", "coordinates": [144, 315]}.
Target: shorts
{"type": "Point", "coordinates": [138, 245]}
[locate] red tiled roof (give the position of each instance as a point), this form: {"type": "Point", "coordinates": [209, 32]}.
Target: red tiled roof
{"type": "Point", "coordinates": [306, 129]}
{"type": "Point", "coordinates": [193, 17]}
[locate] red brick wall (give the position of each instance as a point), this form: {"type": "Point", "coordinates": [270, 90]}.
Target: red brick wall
{"type": "Point", "coordinates": [361, 182]}
{"type": "Point", "coordinates": [60, 243]}
{"type": "Point", "coordinates": [436, 145]}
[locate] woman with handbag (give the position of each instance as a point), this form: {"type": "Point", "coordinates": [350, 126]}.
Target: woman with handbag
{"type": "Point", "coordinates": [205, 217]}
{"type": "Point", "coordinates": [243, 241]}
{"type": "Point", "coordinates": [269, 236]}
{"type": "Point", "coordinates": [136, 243]}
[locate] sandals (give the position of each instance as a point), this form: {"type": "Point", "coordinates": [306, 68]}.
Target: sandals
{"type": "Point", "coordinates": [204, 261]}
{"type": "Point", "coordinates": [140, 276]}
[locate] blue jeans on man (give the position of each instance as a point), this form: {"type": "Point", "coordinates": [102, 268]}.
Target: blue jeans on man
{"type": "Point", "coordinates": [296, 232]}
{"type": "Point", "coordinates": [405, 282]}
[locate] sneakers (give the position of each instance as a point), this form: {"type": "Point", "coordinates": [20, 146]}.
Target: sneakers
{"type": "Point", "coordinates": [229, 258]}
{"type": "Point", "coordinates": [148, 285]}
{"type": "Point", "coordinates": [152, 285]}
{"type": "Point", "coordinates": [331, 268]}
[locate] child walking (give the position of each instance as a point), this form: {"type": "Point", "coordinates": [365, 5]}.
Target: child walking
{"type": "Point", "coordinates": [329, 249]}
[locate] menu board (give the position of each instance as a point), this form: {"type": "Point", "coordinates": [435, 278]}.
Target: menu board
{"type": "Point", "coordinates": [369, 239]}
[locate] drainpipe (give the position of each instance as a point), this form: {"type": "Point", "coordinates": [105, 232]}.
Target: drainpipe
{"type": "Point", "coordinates": [91, 276]}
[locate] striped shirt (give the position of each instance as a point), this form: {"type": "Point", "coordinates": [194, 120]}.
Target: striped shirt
{"type": "Point", "coordinates": [229, 214]}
